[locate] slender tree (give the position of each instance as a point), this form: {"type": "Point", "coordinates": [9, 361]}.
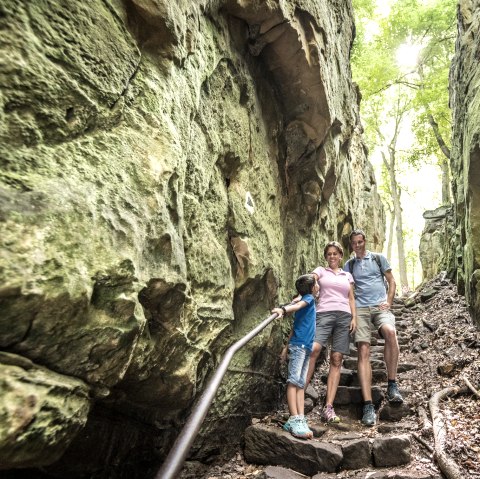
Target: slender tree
{"type": "Point", "coordinates": [400, 109]}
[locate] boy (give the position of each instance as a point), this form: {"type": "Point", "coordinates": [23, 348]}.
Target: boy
{"type": "Point", "coordinates": [299, 346]}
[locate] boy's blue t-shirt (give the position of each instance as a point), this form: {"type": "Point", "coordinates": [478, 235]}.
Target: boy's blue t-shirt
{"type": "Point", "coordinates": [304, 324]}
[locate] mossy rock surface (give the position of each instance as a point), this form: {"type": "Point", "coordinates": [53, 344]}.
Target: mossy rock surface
{"type": "Point", "coordinates": [167, 171]}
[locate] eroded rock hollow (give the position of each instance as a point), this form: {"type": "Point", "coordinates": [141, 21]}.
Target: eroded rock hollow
{"type": "Point", "coordinates": [168, 169]}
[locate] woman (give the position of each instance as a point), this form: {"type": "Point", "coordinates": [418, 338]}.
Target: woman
{"type": "Point", "coordinates": [336, 317]}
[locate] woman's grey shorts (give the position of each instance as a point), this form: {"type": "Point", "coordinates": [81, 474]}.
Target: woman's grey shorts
{"type": "Point", "coordinates": [337, 325]}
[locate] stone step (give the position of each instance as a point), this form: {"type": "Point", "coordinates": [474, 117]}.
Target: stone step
{"type": "Point", "coordinates": [403, 335]}
{"type": "Point", "coordinates": [349, 377]}
{"type": "Point", "coordinates": [352, 395]}
{"type": "Point", "coordinates": [269, 444]}
{"type": "Point", "coordinates": [395, 412]}
{"type": "Point", "coordinates": [404, 367]}
{"type": "Point", "coordinates": [401, 325]}
{"type": "Point", "coordinates": [278, 472]}
{"type": "Point", "coordinates": [378, 376]}
{"type": "Point", "coordinates": [351, 363]}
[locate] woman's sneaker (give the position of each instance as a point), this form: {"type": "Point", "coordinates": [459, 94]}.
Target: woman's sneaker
{"type": "Point", "coordinates": [329, 414]}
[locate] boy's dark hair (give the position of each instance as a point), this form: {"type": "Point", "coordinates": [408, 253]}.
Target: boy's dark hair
{"type": "Point", "coordinates": [305, 284]}
{"type": "Point", "coordinates": [335, 244]}
{"type": "Point", "coordinates": [355, 233]}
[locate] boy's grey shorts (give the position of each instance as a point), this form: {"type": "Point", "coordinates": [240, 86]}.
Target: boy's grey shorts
{"type": "Point", "coordinates": [337, 325]}
{"type": "Point", "coordinates": [371, 316]}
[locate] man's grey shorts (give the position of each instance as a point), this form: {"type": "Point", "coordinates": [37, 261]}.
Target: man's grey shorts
{"type": "Point", "coordinates": [371, 316]}
{"type": "Point", "coordinates": [337, 325]}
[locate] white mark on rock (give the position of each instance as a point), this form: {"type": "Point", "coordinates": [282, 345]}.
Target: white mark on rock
{"type": "Point", "coordinates": [249, 204]}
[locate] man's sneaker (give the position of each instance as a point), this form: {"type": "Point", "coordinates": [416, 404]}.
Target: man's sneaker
{"type": "Point", "coordinates": [393, 394]}
{"type": "Point", "coordinates": [300, 429]}
{"type": "Point", "coordinates": [369, 418]}
{"type": "Point", "coordinates": [329, 414]}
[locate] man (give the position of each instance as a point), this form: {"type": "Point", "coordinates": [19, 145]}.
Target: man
{"type": "Point", "coordinates": [373, 306]}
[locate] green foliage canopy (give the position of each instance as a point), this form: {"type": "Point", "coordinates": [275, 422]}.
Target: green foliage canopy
{"type": "Point", "coordinates": [430, 24]}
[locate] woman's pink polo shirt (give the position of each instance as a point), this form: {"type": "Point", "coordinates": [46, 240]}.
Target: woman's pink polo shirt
{"type": "Point", "coordinates": [334, 290]}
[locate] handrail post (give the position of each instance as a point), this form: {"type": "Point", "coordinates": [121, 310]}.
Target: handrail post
{"type": "Point", "coordinates": [184, 441]}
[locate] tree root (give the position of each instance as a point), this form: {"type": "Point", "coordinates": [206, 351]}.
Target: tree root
{"type": "Point", "coordinates": [425, 421]}
{"type": "Point", "coordinates": [447, 465]}
{"type": "Point", "coordinates": [471, 387]}
{"type": "Point", "coordinates": [423, 442]}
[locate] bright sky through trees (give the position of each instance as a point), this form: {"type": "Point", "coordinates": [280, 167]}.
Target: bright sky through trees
{"type": "Point", "coordinates": [400, 60]}
{"type": "Point", "coordinates": [407, 55]}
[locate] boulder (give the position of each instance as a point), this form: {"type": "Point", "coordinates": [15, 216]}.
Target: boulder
{"type": "Point", "coordinates": [391, 451]}
{"type": "Point", "coordinates": [41, 412]}
{"type": "Point", "coordinates": [273, 446]}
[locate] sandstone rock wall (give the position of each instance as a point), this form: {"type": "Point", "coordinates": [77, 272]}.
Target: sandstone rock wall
{"type": "Point", "coordinates": [435, 241]}
{"type": "Point", "coordinates": [465, 102]}
{"type": "Point", "coordinates": [167, 170]}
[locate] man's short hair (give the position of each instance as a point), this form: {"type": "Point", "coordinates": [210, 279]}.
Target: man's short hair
{"type": "Point", "coordinates": [304, 284]}
{"type": "Point", "coordinates": [335, 244]}
{"type": "Point", "coordinates": [356, 233]}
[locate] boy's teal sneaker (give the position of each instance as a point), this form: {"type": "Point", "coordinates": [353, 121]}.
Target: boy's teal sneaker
{"type": "Point", "coordinates": [300, 429]}
{"type": "Point", "coordinates": [288, 425]}
{"type": "Point", "coordinates": [307, 428]}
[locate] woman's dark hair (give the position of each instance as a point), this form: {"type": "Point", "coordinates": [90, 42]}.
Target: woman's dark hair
{"type": "Point", "coordinates": [335, 244]}
{"type": "Point", "coordinates": [304, 284]}
{"type": "Point", "coordinates": [355, 233]}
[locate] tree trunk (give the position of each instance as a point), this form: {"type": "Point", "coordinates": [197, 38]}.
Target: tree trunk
{"type": "Point", "coordinates": [391, 212]}
{"type": "Point", "coordinates": [446, 196]}
{"type": "Point", "coordinates": [398, 218]}
{"type": "Point", "coordinates": [438, 136]}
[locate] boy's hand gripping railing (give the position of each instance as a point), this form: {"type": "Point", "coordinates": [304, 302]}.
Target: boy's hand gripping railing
{"type": "Point", "coordinates": [180, 448]}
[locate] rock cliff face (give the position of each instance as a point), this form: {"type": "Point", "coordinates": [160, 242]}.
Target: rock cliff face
{"type": "Point", "coordinates": [435, 242]}
{"type": "Point", "coordinates": [465, 102]}
{"type": "Point", "coordinates": [168, 169]}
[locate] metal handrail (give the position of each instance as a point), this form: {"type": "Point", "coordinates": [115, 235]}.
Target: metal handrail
{"type": "Point", "coordinates": [184, 441]}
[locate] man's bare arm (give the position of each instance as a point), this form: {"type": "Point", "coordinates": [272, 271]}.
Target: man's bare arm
{"type": "Point", "coordinates": [391, 286]}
